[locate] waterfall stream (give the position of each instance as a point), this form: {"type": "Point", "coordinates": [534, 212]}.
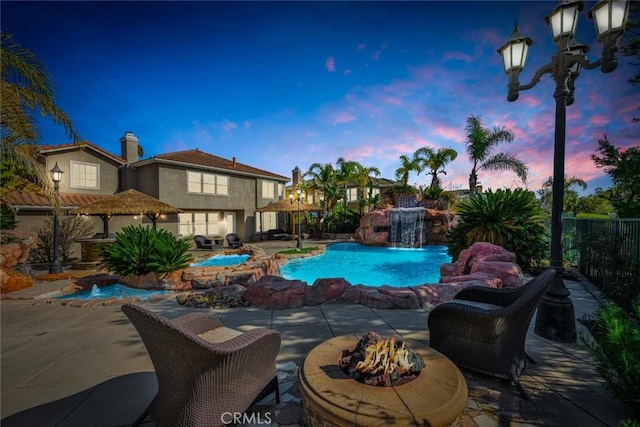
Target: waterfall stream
{"type": "Point", "coordinates": [406, 227]}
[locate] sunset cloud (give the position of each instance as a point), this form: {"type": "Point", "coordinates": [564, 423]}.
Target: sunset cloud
{"type": "Point", "coordinates": [330, 64]}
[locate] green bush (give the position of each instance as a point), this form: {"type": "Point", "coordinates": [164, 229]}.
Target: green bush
{"type": "Point", "coordinates": [342, 220]}
{"type": "Point", "coordinates": [7, 217]}
{"type": "Point", "coordinates": [617, 351]}
{"type": "Point", "coordinates": [511, 219]}
{"type": "Point", "coordinates": [140, 250]}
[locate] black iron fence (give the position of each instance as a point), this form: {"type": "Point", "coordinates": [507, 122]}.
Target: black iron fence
{"type": "Point", "coordinates": [605, 250]}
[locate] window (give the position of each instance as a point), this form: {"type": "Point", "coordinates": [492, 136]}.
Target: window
{"type": "Point", "coordinates": [206, 223]}
{"type": "Point", "coordinates": [352, 194]}
{"type": "Point", "coordinates": [268, 188]}
{"type": "Point", "coordinates": [207, 183]}
{"type": "Point", "coordinates": [85, 175]}
{"type": "Point", "coordinates": [280, 191]}
{"type": "Point", "coordinates": [373, 192]}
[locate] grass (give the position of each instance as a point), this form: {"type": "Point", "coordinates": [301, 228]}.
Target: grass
{"type": "Point", "coordinates": [298, 251]}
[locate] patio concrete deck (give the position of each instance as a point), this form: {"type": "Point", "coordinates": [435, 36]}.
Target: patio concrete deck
{"type": "Point", "coordinates": [68, 366]}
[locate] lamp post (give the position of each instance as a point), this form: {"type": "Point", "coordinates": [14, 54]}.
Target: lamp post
{"type": "Point", "coordinates": [299, 199]}
{"type": "Point", "coordinates": [555, 319]}
{"type": "Point", "coordinates": [55, 266]}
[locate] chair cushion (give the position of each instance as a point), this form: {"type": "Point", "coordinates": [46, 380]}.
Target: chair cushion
{"type": "Point", "coordinates": [477, 304]}
{"type": "Point", "coordinates": [219, 335]}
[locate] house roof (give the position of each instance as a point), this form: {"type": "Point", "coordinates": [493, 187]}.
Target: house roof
{"type": "Point", "coordinates": [81, 145]}
{"type": "Point", "coordinates": [67, 200]}
{"type": "Point", "coordinates": [200, 158]}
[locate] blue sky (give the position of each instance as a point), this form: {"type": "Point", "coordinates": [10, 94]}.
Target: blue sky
{"type": "Point", "coordinates": [285, 84]}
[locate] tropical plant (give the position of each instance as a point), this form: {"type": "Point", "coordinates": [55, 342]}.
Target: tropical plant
{"type": "Point", "coordinates": [480, 140]}
{"type": "Point", "coordinates": [26, 91]}
{"type": "Point", "coordinates": [435, 161]}
{"type": "Point", "coordinates": [408, 165]}
{"type": "Point", "coordinates": [140, 250]}
{"type": "Point", "coordinates": [363, 176]}
{"type": "Point", "coordinates": [345, 174]}
{"type": "Point", "coordinates": [71, 228]}
{"type": "Point", "coordinates": [438, 194]}
{"type": "Point", "coordinates": [617, 351]}
{"type": "Point", "coordinates": [511, 219]}
{"type": "Point", "coordinates": [571, 198]}
{"type": "Point", "coordinates": [7, 217]}
{"type": "Point", "coordinates": [622, 165]}
{"type": "Point", "coordinates": [342, 219]}
{"type": "Point", "coordinates": [323, 179]}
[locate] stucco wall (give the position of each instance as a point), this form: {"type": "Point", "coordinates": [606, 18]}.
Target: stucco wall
{"type": "Point", "coordinates": [108, 182]}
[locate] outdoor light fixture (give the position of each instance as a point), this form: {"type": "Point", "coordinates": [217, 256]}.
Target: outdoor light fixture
{"type": "Point", "coordinates": [299, 199]}
{"type": "Point", "coordinates": [556, 319]}
{"type": "Point", "coordinates": [55, 266]}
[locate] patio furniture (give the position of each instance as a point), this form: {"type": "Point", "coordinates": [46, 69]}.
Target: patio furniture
{"type": "Point", "coordinates": [203, 368]}
{"type": "Point", "coordinates": [278, 234]}
{"type": "Point", "coordinates": [484, 329]}
{"type": "Point", "coordinates": [204, 243]}
{"type": "Point", "coordinates": [233, 240]}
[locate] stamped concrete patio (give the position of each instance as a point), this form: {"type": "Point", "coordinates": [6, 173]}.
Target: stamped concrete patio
{"type": "Point", "coordinates": [67, 366]}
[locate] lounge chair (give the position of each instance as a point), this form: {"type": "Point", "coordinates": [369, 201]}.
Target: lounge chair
{"type": "Point", "coordinates": [204, 369]}
{"type": "Point", "coordinates": [204, 243]}
{"type": "Point", "coordinates": [233, 240]}
{"type": "Point", "coordinates": [278, 234]}
{"type": "Point", "coordinates": [484, 329]}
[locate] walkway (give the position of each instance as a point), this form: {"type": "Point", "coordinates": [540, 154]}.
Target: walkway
{"type": "Point", "coordinates": [67, 366]}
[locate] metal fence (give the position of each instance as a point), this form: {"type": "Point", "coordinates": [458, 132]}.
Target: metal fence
{"type": "Point", "coordinates": [605, 250]}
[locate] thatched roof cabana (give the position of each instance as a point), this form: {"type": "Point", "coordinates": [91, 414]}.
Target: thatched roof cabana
{"type": "Point", "coordinates": [285, 205]}
{"type": "Point", "coordinates": [128, 202]}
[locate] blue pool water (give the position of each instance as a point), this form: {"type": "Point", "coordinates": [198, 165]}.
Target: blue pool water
{"type": "Point", "coordinates": [369, 265]}
{"type": "Point", "coordinates": [221, 261]}
{"type": "Point", "coordinates": [112, 291]}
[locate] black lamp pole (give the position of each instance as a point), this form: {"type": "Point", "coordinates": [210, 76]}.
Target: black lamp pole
{"type": "Point", "coordinates": [299, 199]}
{"type": "Point", "coordinates": [556, 319]}
{"type": "Point", "coordinates": [56, 266]}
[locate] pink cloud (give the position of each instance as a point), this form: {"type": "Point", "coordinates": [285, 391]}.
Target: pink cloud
{"type": "Point", "coordinates": [361, 46]}
{"type": "Point", "coordinates": [347, 71]}
{"type": "Point", "coordinates": [529, 101]}
{"type": "Point", "coordinates": [228, 125]}
{"type": "Point", "coordinates": [330, 64]}
{"type": "Point", "coordinates": [457, 55]}
{"type": "Point", "coordinates": [393, 101]}
{"type": "Point", "coordinates": [448, 132]}
{"type": "Point", "coordinates": [600, 120]}
{"type": "Point", "coordinates": [343, 117]}
{"type": "Point", "coordinates": [376, 54]}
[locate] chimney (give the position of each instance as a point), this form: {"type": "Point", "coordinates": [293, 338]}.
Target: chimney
{"type": "Point", "coordinates": [296, 178]}
{"type": "Point", "coordinates": [234, 161]}
{"type": "Point", "coordinates": [129, 147]}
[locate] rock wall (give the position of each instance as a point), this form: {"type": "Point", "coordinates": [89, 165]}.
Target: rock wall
{"type": "Point", "coordinates": [374, 227]}
{"type": "Point", "coordinates": [13, 253]}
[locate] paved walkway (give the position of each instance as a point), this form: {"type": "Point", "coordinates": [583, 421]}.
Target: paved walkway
{"type": "Point", "coordinates": [68, 366]}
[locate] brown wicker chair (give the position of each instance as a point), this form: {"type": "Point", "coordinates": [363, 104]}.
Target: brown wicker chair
{"type": "Point", "coordinates": [233, 240]}
{"type": "Point", "coordinates": [484, 329]}
{"type": "Point", "coordinates": [201, 372]}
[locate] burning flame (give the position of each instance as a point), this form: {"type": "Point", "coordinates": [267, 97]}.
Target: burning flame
{"type": "Point", "coordinates": [383, 358]}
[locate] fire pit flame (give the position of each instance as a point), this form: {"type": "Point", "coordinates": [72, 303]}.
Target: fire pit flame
{"type": "Point", "coordinates": [380, 361]}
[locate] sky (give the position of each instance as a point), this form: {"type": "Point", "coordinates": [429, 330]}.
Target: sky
{"type": "Point", "coordinates": [286, 84]}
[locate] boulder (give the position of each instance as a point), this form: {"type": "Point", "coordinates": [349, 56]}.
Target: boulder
{"type": "Point", "coordinates": [17, 247]}
{"type": "Point", "coordinates": [275, 292]}
{"type": "Point", "coordinates": [431, 295]}
{"type": "Point", "coordinates": [372, 297]}
{"type": "Point", "coordinates": [489, 280]}
{"type": "Point", "coordinates": [509, 272]}
{"type": "Point", "coordinates": [481, 251]}
{"type": "Point", "coordinates": [14, 281]}
{"type": "Point", "coordinates": [325, 290]}
{"type": "Point", "coordinates": [401, 297]}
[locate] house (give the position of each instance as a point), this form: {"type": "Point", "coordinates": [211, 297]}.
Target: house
{"type": "Point", "coordinates": [216, 195]}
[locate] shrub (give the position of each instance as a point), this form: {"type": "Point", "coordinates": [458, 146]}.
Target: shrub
{"type": "Point", "coordinates": [617, 351]}
{"type": "Point", "coordinates": [342, 220]}
{"type": "Point", "coordinates": [511, 219]}
{"type": "Point", "coordinates": [71, 228]}
{"type": "Point", "coordinates": [140, 250]}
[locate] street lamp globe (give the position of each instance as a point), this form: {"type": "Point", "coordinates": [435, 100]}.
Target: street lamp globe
{"type": "Point", "coordinates": [563, 21]}
{"type": "Point", "coordinates": [610, 18]}
{"type": "Point", "coordinates": [56, 174]}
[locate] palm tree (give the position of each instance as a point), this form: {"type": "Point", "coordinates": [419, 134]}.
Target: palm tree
{"type": "Point", "coordinates": [363, 176]}
{"type": "Point", "coordinates": [571, 196]}
{"type": "Point", "coordinates": [25, 90]}
{"type": "Point", "coordinates": [345, 174]}
{"type": "Point", "coordinates": [480, 140]}
{"type": "Point", "coordinates": [435, 162]}
{"type": "Point", "coordinates": [323, 179]}
{"type": "Point", "coordinates": [409, 165]}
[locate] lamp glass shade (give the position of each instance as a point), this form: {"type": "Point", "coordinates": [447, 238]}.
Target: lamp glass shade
{"type": "Point", "coordinates": [56, 173]}
{"type": "Point", "coordinates": [563, 20]}
{"type": "Point", "coordinates": [514, 55]}
{"type": "Point", "coordinates": [609, 16]}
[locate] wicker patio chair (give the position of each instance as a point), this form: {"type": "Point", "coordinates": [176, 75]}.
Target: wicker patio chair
{"type": "Point", "coordinates": [233, 240]}
{"type": "Point", "coordinates": [484, 329]}
{"type": "Point", "coordinates": [204, 369]}
{"type": "Point", "coordinates": [204, 243]}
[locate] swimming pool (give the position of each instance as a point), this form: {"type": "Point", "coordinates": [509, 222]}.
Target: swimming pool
{"type": "Point", "coordinates": [221, 261]}
{"type": "Point", "coordinates": [113, 291]}
{"type": "Point", "coordinates": [370, 265]}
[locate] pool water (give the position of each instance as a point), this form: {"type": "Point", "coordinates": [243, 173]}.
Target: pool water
{"type": "Point", "coordinates": [221, 261]}
{"type": "Point", "coordinates": [113, 291]}
{"type": "Point", "coordinates": [369, 265]}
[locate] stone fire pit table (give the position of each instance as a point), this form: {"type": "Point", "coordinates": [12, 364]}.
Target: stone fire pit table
{"type": "Point", "coordinates": [331, 398]}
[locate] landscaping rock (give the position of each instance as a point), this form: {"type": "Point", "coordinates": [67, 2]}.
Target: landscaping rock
{"type": "Point", "coordinates": [275, 292]}
{"type": "Point", "coordinates": [509, 272]}
{"type": "Point", "coordinates": [326, 290]}
{"type": "Point", "coordinates": [486, 279]}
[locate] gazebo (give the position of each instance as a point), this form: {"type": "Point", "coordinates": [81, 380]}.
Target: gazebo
{"type": "Point", "coordinates": [286, 206]}
{"type": "Point", "coordinates": [128, 202]}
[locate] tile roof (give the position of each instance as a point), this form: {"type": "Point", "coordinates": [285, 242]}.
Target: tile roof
{"type": "Point", "coordinates": [68, 200]}
{"type": "Point", "coordinates": [79, 145]}
{"type": "Point", "coordinates": [200, 158]}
